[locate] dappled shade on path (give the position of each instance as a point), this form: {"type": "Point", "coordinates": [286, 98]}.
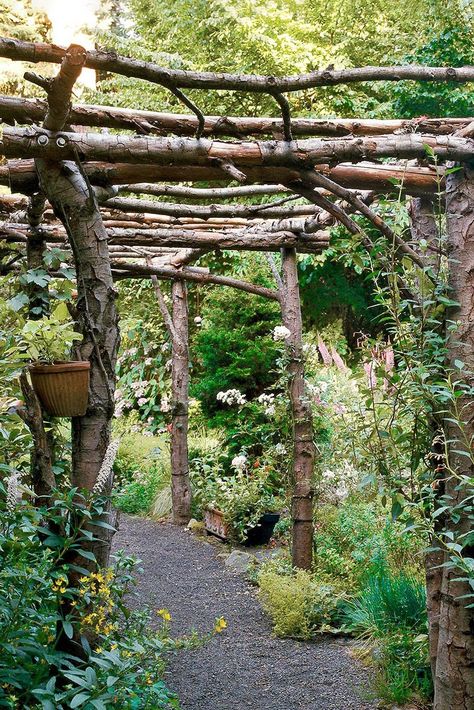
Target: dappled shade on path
{"type": "Point", "coordinates": [246, 667]}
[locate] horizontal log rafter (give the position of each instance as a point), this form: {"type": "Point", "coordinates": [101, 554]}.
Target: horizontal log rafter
{"type": "Point", "coordinates": [30, 110]}
{"type": "Point", "coordinates": [300, 155]}
{"type": "Point", "coordinates": [175, 78]}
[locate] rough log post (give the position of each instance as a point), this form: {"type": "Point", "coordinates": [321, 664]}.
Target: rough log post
{"type": "Point", "coordinates": [180, 484]}
{"type": "Point", "coordinates": [75, 204]}
{"type": "Point", "coordinates": [454, 679]}
{"type": "Point", "coordinates": [42, 476]}
{"type": "Point", "coordinates": [424, 225]}
{"type": "Point", "coordinates": [177, 327]}
{"type": "Point", "coordinates": [304, 449]}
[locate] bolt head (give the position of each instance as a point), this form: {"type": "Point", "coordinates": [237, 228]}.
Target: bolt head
{"type": "Point", "coordinates": [61, 142]}
{"type": "Point", "coordinates": [43, 140]}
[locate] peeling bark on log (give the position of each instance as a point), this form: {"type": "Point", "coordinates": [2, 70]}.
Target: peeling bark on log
{"type": "Point", "coordinates": [301, 154]}
{"type": "Point", "coordinates": [76, 206]}
{"type": "Point", "coordinates": [173, 78]}
{"type": "Point", "coordinates": [29, 110]}
{"type": "Point", "coordinates": [304, 449]}
{"type": "Point", "coordinates": [454, 679]}
{"type": "Point", "coordinates": [20, 175]}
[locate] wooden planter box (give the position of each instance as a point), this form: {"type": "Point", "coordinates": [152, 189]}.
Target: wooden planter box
{"type": "Point", "coordinates": [214, 523]}
{"type": "Point", "coordinates": [259, 535]}
{"type": "Point", "coordinates": [62, 388]}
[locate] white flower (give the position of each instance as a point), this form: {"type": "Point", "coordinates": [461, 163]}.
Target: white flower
{"type": "Point", "coordinates": [231, 397]}
{"type": "Point", "coordinates": [142, 401]}
{"type": "Point", "coordinates": [149, 361]}
{"type": "Point", "coordinates": [106, 466]}
{"type": "Point", "coordinates": [280, 449]}
{"type": "Point", "coordinates": [266, 398]}
{"type": "Point", "coordinates": [12, 491]}
{"type": "Point", "coordinates": [118, 394]}
{"type": "Point", "coordinates": [165, 404]}
{"type": "Point", "coordinates": [239, 463]}
{"type": "Point", "coordinates": [281, 332]}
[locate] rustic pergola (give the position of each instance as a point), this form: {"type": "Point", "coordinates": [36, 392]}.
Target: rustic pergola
{"type": "Point", "coordinates": [67, 186]}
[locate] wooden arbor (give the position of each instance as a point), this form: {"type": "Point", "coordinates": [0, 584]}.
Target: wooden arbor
{"type": "Point", "coordinates": [335, 166]}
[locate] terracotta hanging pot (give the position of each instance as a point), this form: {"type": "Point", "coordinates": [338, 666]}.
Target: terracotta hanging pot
{"type": "Point", "coordinates": [62, 388]}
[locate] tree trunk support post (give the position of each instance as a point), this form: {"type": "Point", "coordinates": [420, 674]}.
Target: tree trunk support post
{"type": "Point", "coordinates": [177, 325]}
{"type": "Point", "coordinates": [180, 483]}
{"type": "Point", "coordinates": [454, 677]}
{"type": "Point", "coordinates": [303, 441]}
{"type": "Point", "coordinates": [68, 190]}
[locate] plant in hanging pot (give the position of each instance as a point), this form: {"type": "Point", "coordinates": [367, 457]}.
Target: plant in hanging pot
{"type": "Point", "coordinates": [61, 385]}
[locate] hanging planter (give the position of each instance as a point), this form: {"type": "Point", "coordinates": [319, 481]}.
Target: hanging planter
{"type": "Point", "coordinates": [62, 388]}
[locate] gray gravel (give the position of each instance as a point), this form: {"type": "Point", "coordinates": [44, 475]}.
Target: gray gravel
{"type": "Point", "coordinates": [244, 667]}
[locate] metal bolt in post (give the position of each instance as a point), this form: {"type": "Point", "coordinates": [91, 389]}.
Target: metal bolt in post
{"type": "Point", "coordinates": [43, 140]}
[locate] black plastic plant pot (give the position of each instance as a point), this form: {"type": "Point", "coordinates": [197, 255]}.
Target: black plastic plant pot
{"type": "Point", "coordinates": [262, 532]}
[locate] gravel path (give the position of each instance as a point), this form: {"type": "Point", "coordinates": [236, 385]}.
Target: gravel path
{"type": "Point", "coordinates": [245, 667]}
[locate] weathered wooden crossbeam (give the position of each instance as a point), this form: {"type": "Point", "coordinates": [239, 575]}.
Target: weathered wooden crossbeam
{"type": "Point", "coordinates": [19, 142]}
{"type": "Point", "coordinates": [20, 175]}
{"type": "Point", "coordinates": [29, 110]}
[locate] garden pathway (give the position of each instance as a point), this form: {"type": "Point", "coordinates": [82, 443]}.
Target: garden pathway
{"type": "Point", "coordinates": [245, 666]}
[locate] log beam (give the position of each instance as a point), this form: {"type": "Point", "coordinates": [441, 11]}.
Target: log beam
{"type": "Point", "coordinates": [35, 52]}
{"type": "Point", "coordinates": [18, 142]}
{"type": "Point", "coordinates": [29, 110]}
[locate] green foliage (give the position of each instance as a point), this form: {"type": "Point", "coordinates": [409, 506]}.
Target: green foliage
{"type": "Point", "coordinates": [283, 37]}
{"type": "Point", "coordinates": [141, 471]}
{"type": "Point", "coordinates": [144, 364]}
{"type": "Point", "coordinates": [22, 21]}
{"type": "Point", "coordinates": [49, 339]}
{"type": "Point", "coordinates": [299, 604]}
{"type": "Point", "coordinates": [452, 47]}
{"type": "Point", "coordinates": [234, 348]}
{"type": "Point", "coordinates": [389, 615]}
{"type": "Point", "coordinates": [123, 661]}
{"type": "Point", "coordinates": [388, 601]}
{"type": "Point", "coordinates": [357, 540]}
{"type": "Point", "coordinates": [330, 292]}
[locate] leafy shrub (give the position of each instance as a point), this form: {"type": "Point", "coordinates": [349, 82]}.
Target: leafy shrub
{"type": "Point", "coordinates": [390, 616]}
{"type": "Point", "coordinates": [299, 604]}
{"type": "Point", "coordinates": [453, 47]}
{"type": "Point", "coordinates": [403, 668]}
{"type": "Point", "coordinates": [142, 469]}
{"type": "Point", "coordinates": [234, 348]}
{"type": "Point", "coordinates": [123, 654]}
{"type": "Point", "coordinates": [356, 541]}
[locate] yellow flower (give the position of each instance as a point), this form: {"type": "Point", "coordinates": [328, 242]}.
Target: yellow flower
{"type": "Point", "coordinates": [164, 613]}
{"type": "Point", "coordinates": [99, 650]}
{"type": "Point", "coordinates": [220, 625]}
